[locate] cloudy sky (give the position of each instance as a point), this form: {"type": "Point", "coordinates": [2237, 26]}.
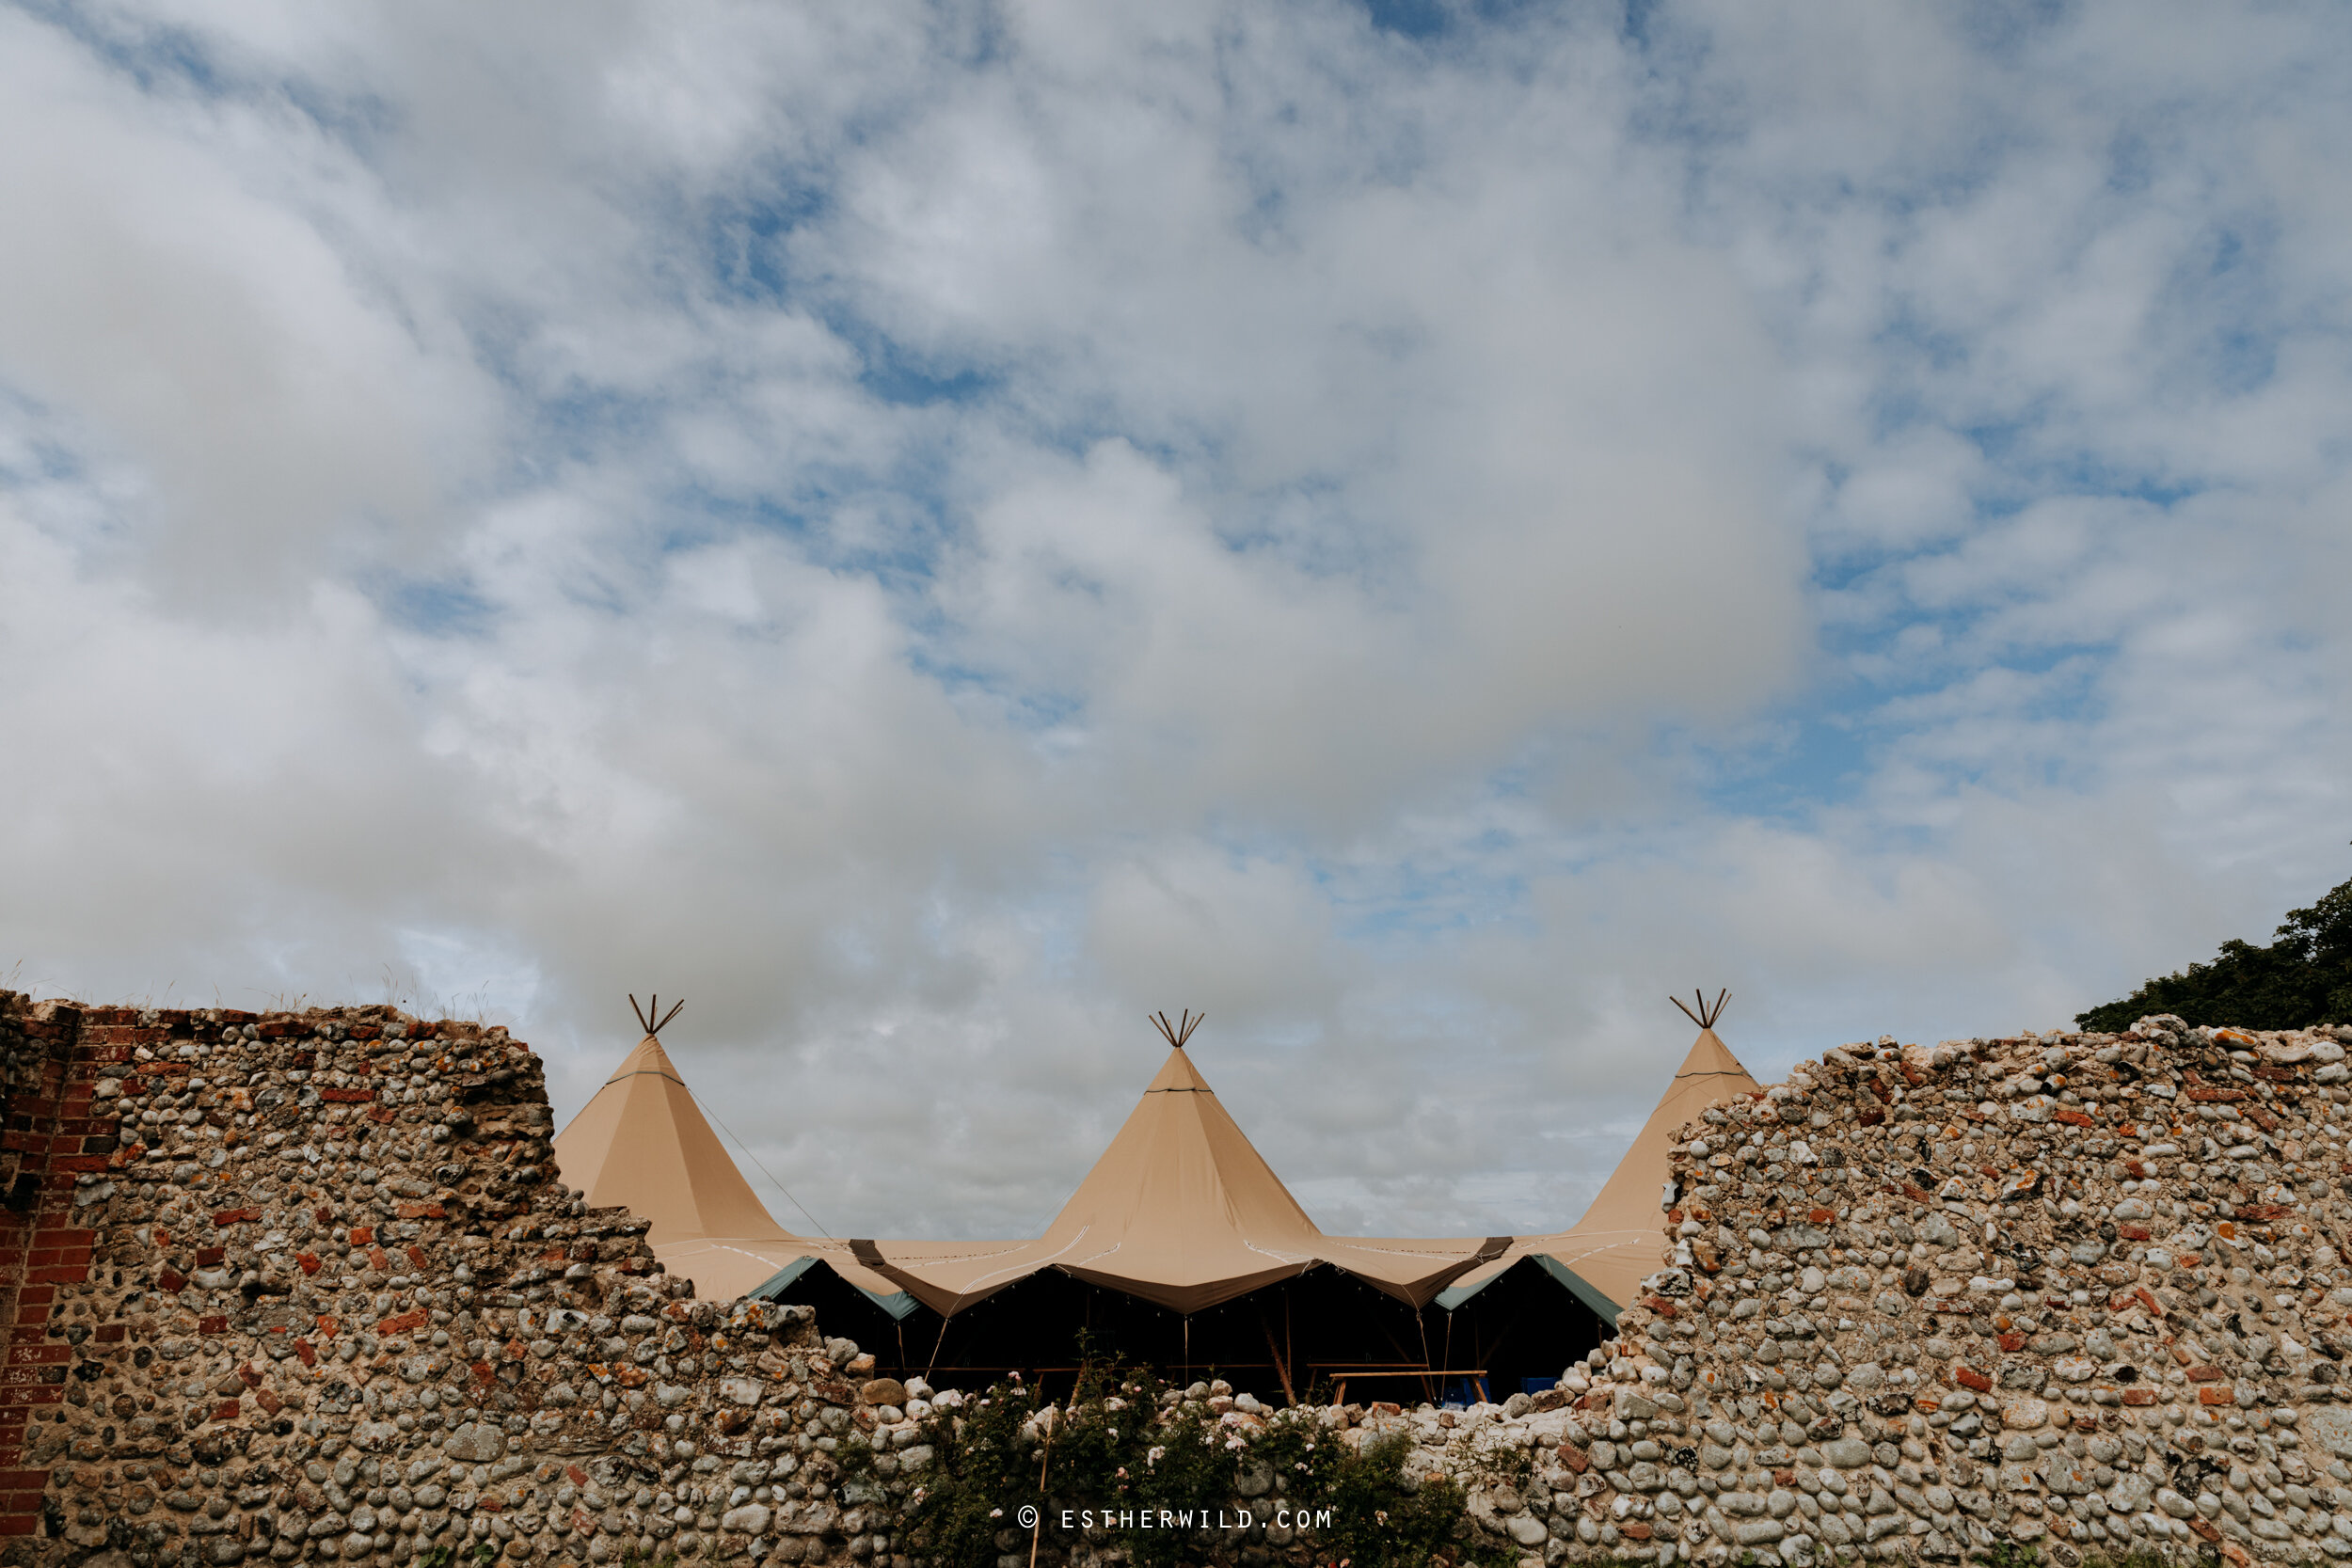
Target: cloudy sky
{"type": "Point", "coordinates": [931, 531]}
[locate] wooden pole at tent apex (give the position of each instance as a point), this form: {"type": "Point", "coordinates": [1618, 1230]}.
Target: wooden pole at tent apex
{"type": "Point", "coordinates": [651, 1016]}
{"type": "Point", "coordinates": [1178, 1033]}
{"type": "Point", "coordinates": [1709, 1012]}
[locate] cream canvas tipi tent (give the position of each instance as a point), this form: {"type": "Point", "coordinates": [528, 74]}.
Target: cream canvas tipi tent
{"type": "Point", "coordinates": [1181, 1210]}
{"type": "Point", "coordinates": [642, 1142]}
{"type": "Point", "coordinates": [1622, 1238]}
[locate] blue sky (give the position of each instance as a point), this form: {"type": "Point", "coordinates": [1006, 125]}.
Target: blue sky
{"type": "Point", "coordinates": [934, 530]}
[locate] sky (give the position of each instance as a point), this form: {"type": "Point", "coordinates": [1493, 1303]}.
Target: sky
{"type": "Point", "coordinates": [930, 531]}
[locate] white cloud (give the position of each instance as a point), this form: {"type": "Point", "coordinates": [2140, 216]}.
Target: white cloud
{"type": "Point", "coordinates": [931, 533]}
{"type": "Point", "coordinates": [172, 295]}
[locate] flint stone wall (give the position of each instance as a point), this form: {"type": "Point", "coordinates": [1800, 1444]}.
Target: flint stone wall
{"type": "Point", "coordinates": [303, 1287]}
{"type": "Point", "coordinates": [2085, 1292]}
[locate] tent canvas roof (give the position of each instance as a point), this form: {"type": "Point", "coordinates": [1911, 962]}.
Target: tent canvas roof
{"type": "Point", "coordinates": [643, 1143]}
{"type": "Point", "coordinates": [1182, 1210]}
{"type": "Point", "coordinates": [1622, 1238]}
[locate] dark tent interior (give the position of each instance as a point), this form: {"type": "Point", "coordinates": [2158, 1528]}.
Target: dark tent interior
{"type": "Point", "coordinates": [1321, 1333]}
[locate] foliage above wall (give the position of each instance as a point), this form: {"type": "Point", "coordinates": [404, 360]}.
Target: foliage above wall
{"type": "Point", "coordinates": [2301, 979]}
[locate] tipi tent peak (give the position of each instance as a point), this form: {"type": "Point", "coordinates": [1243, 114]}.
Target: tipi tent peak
{"type": "Point", "coordinates": [1180, 1211]}
{"type": "Point", "coordinates": [642, 1142]}
{"type": "Point", "coordinates": [1178, 1033]}
{"type": "Point", "coordinates": [1603, 1258]}
{"type": "Point", "coordinates": [650, 1018]}
{"type": "Point", "coordinates": [1707, 1015]}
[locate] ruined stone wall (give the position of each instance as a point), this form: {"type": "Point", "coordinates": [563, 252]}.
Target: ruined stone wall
{"type": "Point", "coordinates": [305, 1286]}
{"type": "Point", "coordinates": [2082, 1293]}
{"type": "Point", "coordinates": [2085, 1292]}
{"type": "Point", "coordinates": [302, 1286]}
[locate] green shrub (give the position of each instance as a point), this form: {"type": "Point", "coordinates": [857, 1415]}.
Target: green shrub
{"type": "Point", "coordinates": [1121, 1448]}
{"type": "Point", "coordinates": [1381, 1519]}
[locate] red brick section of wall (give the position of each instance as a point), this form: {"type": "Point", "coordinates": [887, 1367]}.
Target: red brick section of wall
{"type": "Point", "coordinates": [50, 1137]}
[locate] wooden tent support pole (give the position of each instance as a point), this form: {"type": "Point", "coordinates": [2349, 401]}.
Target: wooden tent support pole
{"type": "Point", "coordinates": [936, 1343]}
{"type": "Point", "coordinates": [1280, 1371]}
{"type": "Point", "coordinates": [1708, 1011]}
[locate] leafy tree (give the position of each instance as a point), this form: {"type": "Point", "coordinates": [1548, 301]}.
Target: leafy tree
{"type": "Point", "coordinates": [2304, 977]}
